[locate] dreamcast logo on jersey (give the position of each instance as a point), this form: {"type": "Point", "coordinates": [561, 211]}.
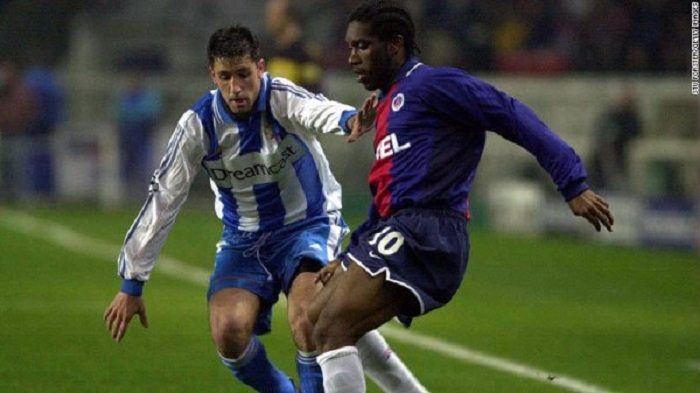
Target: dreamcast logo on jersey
{"type": "Point", "coordinates": [254, 168]}
{"type": "Point", "coordinates": [389, 145]}
{"type": "Point", "coordinates": [397, 102]}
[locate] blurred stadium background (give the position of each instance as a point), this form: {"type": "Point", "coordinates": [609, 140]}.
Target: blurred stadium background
{"type": "Point", "coordinates": [571, 61]}
{"type": "Point", "coordinates": [568, 60]}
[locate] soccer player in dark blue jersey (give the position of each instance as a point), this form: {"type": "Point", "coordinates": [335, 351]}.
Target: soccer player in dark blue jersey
{"type": "Point", "coordinates": [255, 136]}
{"type": "Point", "coordinates": [411, 254]}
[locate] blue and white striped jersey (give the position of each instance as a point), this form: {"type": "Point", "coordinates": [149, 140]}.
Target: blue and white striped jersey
{"type": "Point", "coordinates": [267, 171]}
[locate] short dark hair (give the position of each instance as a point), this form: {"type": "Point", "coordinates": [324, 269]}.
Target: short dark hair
{"type": "Point", "coordinates": [234, 41]}
{"type": "Point", "coordinates": [386, 20]}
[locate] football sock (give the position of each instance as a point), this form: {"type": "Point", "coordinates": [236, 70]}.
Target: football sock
{"type": "Point", "coordinates": [254, 369]}
{"type": "Point", "coordinates": [310, 375]}
{"type": "Point", "coordinates": [342, 371]}
{"type": "Point", "coordinates": [384, 367]}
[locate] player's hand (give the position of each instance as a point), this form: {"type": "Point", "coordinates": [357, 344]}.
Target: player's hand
{"type": "Point", "coordinates": [118, 315]}
{"type": "Point", "coordinates": [365, 119]}
{"type": "Point", "coordinates": [593, 208]}
{"type": "Point", "coordinates": [325, 274]}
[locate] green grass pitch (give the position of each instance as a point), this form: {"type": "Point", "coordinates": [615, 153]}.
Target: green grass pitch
{"type": "Point", "coordinates": [620, 319]}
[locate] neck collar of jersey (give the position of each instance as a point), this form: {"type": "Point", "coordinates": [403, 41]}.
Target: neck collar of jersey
{"type": "Point", "coordinates": [405, 70]}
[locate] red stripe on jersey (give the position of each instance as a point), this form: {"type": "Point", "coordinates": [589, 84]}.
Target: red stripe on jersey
{"type": "Point", "coordinates": [380, 173]}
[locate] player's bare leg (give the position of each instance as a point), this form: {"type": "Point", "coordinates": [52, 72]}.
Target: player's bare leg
{"type": "Point", "coordinates": [352, 304]}
{"type": "Point", "coordinates": [232, 316]}
{"type": "Point", "coordinates": [379, 362]}
{"type": "Point", "coordinates": [300, 294]}
{"type": "Point", "coordinates": [329, 286]}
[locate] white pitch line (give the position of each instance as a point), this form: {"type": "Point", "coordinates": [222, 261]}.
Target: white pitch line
{"type": "Point", "coordinates": [67, 238]}
{"type": "Point", "coordinates": [482, 359]}
{"type": "Point", "coordinates": [694, 365]}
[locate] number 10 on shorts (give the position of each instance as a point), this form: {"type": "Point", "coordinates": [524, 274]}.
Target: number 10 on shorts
{"type": "Point", "coordinates": [387, 242]}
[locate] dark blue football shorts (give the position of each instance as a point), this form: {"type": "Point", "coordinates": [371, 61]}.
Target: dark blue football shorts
{"type": "Point", "coordinates": [266, 263]}
{"type": "Point", "coordinates": [422, 250]}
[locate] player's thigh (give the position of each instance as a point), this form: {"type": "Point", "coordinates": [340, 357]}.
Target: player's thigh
{"type": "Point", "coordinates": [321, 298]}
{"type": "Point", "coordinates": [303, 290]}
{"type": "Point", "coordinates": [233, 310]}
{"type": "Point", "coordinates": [359, 303]}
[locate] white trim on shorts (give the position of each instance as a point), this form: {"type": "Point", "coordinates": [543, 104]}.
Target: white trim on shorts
{"type": "Point", "coordinates": [387, 276]}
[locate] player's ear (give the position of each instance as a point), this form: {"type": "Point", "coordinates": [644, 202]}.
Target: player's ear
{"type": "Point", "coordinates": [395, 45]}
{"type": "Point", "coordinates": [212, 74]}
{"type": "Point", "coordinates": [261, 66]}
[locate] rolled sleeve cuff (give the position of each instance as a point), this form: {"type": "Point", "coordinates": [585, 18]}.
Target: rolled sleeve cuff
{"type": "Point", "coordinates": [132, 287]}
{"type": "Point", "coordinates": [344, 120]}
{"type": "Point", "coordinates": [574, 190]}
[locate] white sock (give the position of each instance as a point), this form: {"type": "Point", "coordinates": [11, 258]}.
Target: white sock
{"type": "Point", "coordinates": [384, 367]}
{"type": "Point", "coordinates": [342, 371]}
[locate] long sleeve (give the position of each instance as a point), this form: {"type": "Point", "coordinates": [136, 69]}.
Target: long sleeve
{"type": "Point", "coordinates": [308, 111]}
{"type": "Point", "coordinates": [475, 103]}
{"type": "Point", "coordinates": [168, 191]}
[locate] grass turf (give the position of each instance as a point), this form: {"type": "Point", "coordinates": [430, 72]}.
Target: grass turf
{"type": "Point", "coordinates": [620, 318]}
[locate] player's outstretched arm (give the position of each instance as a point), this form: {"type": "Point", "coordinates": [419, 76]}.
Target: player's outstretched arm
{"type": "Point", "coordinates": [364, 120]}
{"type": "Point", "coordinates": [593, 208]}
{"type": "Point", "coordinates": [119, 313]}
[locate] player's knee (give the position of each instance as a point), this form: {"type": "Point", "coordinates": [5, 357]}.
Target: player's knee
{"type": "Point", "coordinates": [231, 336]}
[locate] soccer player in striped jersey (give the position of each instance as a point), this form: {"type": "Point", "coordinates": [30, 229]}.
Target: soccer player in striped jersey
{"type": "Point", "coordinates": [255, 136]}
{"type": "Point", "coordinates": [411, 254]}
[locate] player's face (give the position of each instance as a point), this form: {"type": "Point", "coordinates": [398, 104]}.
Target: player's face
{"type": "Point", "coordinates": [238, 80]}
{"type": "Point", "coordinates": [369, 57]}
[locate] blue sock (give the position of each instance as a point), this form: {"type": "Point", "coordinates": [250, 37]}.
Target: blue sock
{"type": "Point", "coordinates": [254, 369]}
{"type": "Point", "coordinates": [310, 375]}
